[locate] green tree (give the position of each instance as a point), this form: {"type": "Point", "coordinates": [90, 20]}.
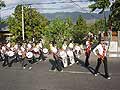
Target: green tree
{"type": "Point", "coordinates": [33, 20]}
{"type": "Point", "coordinates": [80, 30]}
{"type": "Point", "coordinates": [114, 18]}
{"type": "Point", "coordinates": [99, 25]}
{"type": "Point", "coordinates": [57, 31]}
{"type": "Point", "coordinates": [99, 4]}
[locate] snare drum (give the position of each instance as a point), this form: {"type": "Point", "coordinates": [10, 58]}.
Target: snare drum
{"type": "Point", "coordinates": [45, 50]}
{"type": "Point", "coordinates": [29, 55]}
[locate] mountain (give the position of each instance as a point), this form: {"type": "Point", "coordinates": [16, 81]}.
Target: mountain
{"type": "Point", "coordinates": [74, 15]}
{"type": "Point", "coordinates": [89, 17]}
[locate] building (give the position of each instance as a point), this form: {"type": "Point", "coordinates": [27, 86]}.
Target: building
{"type": "Point", "coordinates": [4, 33]}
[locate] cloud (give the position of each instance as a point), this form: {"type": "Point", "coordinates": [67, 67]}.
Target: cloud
{"type": "Point", "coordinates": [77, 6]}
{"type": "Point", "coordinates": [8, 2]}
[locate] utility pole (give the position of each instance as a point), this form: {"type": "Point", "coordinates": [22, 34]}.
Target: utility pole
{"type": "Point", "coordinates": [32, 28]}
{"type": "Point", "coordinates": [23, 34]}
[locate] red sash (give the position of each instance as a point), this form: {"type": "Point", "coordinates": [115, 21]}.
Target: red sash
{"type": "Point", "coordinates": [88, 49]}
{"type": "Point", "coordinates": [103, 54]}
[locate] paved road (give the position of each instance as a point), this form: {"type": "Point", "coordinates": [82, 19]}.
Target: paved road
{"type": "Point", "coordinates": [76, 77]}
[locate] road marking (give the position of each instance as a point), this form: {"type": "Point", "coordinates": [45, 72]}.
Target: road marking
{"type": "Point", "coordinates": [77, 72]}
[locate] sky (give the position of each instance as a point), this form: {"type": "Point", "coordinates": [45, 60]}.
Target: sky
{"type": "Point", "coordinates": [47, 6]}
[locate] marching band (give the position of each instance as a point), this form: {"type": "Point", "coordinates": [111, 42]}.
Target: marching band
{"type": "Point", "coordinates": [67, 55]}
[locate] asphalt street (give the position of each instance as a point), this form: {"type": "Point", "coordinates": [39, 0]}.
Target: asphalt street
{"type": "Point", "coordinates": [76, 77]}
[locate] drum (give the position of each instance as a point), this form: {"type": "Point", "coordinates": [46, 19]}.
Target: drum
{"type": "Point", "coordinates": [29, 55]}
{"type": "Point", "coordinates": [11, 55]}
{"type": "Point", "coordinates": [45, 50]}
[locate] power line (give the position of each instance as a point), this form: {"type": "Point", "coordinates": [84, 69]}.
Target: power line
{"type": "Point", "coordinates": [71, 1]}
{"type": "Point", "coordinates": [47, 3]}
{"type": "Point", "coordinates": [43, 3]}
{"type": "Point", "coordinates": [82, 8]}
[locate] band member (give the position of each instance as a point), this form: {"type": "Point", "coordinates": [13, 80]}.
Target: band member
{"type": "Point", "coordinates": [87, 52]}
{"type": "Point", "coordinates": [70, 56]}
{"type": "Point", "coordinates": [8, 45]}
{"type": "Point", "coordinates": [71, 45]}
{"type": "Point", "coordinates": [64, 46]}
{"type": "Point", "coordinates": [19, 52]}
{"type": "Point", "coordinates": [101, 51]}
{"type": "Point", "coordinates": [63, 56]}
{"type": "Point", "coordinates": [77, 51]}
{"type": "Point", "coordinates": [26, 57]}
{"type": "Point", "coordinates": [29, 46]}
{"type": "Point", "coordinates": [4, 56]}
{"type": "Point", "coordinates": [45, 52]}
{"type": "Point", "coordinates": [55, 63]}
{"type": "Point", "coordinates": [40, 44]}
{"type": "Point", "coordinates": [27, 60]}
{"type": "Point", "coordinates": [36, 53]}
{"type": "Point", "coordinates": [11, 56]}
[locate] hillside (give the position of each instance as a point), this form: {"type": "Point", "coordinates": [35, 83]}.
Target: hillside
{"type": "Point", "coordinates": [74, 15]}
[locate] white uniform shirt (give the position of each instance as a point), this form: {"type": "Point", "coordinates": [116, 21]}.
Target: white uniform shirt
{"type": "Point", "coordinates": [22, 49]}
{"type": "Point", "coordinates": [29, 46]}
{"type": "Point", "coordinates": [40, 45]}
{"type": "Point", "coordinates": [16, 46]}
{"type": "Point", "coordinates": [100, 50]}
{"type": "Point", "coordinates": [10, 53]}
{"type": "Point", "coordinates": [3, 48]}
{"type": "Point", "coordinates": [71, 45]}
{"type": "Point", "coordinates": [77, 48]}
{"type": "Point", "coordinates": [64, 46]}
{"type": "Point", "coordinates": [19, 52]}
{"type": "Point", "coordinates": [36, 49]}
{"type": "Point", "coordinates": [63, 54]}
{"type": "Point", "coordinates": [70, 53]}
{"type": "Point", "coordinates": [54, 49]}
{"type": "Point", "coordinates": [8, 45]}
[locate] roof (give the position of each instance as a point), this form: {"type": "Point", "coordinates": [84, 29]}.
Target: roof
{"type": "Point", "coordinates": [4, 28]}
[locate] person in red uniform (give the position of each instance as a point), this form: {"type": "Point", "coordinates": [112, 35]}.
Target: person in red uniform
{"type": "Point", "coordinates": [101, 52]}
{"type": "Point", "coordinates": [87, 52]}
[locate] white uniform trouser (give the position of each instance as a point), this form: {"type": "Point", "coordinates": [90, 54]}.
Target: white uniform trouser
{"type": "Point", "coordinates": [72, 61]}
{"type": "Point", "coordinates": [65, 62]}
{"type": "Point", "coordinates": [77, 55]}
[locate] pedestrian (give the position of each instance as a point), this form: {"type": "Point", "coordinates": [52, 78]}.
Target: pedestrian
{"type": "Point", "coordinates": [101, 51]}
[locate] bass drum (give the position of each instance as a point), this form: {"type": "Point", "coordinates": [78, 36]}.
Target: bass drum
{"type": "Point", "coordinates": [29, 55]}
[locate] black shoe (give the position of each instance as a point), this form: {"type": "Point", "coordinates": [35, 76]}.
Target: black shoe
{"type": "Point", "coordinates": [87, 64]}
